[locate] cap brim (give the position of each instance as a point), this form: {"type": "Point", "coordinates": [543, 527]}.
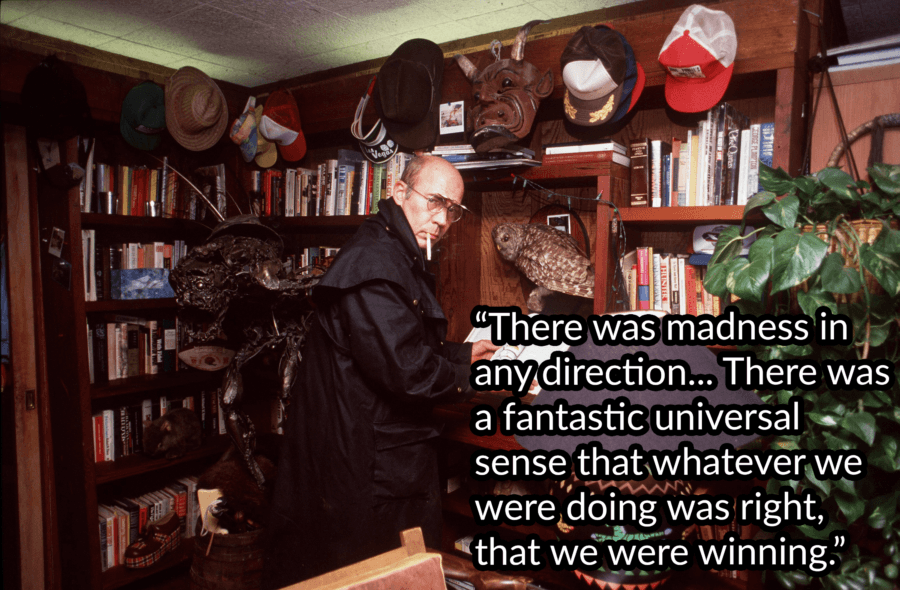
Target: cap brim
{"type": "Point", "coordinates": [294, 151]}
{"type": "Point", "coordinates": [266, 158]}
{"type": "Point", "coordinates": [692, 95]}
{"type": "Point", "coordinates": [701, 361]}
{"type": "Point", "coordinates": [141, 141]}
{"type": "Point", "coordinates": [592, 112]}
{"type": "Point", "coordinates": [700, 259]}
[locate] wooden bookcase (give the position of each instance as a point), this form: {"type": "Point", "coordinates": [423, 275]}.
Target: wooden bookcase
{"type": "Point", "coordinates": [769, 84]}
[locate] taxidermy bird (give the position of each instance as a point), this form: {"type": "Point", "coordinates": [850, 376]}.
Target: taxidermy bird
{"type": "Point", "coordinates": [548, 257]}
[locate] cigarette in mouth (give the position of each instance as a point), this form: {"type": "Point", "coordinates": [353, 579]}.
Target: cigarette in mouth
{"type": "Point", "coordinates": [428, 246]}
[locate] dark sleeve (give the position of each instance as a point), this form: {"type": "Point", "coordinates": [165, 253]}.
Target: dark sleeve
{"type": "Point", "coordinates": [388, 344]}
{"type": "Point", "coordinates": [458, 352]}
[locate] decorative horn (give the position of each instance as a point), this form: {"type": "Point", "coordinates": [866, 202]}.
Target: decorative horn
{"type": "Point", "coordinates": [467, 67]}
{"type": "Point", "coordinates": [518, 48]}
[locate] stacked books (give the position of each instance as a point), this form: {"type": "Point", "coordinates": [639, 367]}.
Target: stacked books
{"type": "Point", "coordinates": [875, 52]}
{"type": "Point", "coordinates": [716, 164]}
{"type": "Point", "coordinates": [605, 150]}
{"type": "Point", "coordinates": [464, 157]}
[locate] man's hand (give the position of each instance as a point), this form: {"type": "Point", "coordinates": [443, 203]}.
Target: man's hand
{"type": "Point", "coordinates": [483, 350]}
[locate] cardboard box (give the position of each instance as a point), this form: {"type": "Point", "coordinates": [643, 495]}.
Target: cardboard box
{"type": "Point", "coordinates": [140, 283]}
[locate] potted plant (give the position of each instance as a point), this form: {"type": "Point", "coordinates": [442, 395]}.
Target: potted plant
{"type": "Point", "coordinates": [831, 241]}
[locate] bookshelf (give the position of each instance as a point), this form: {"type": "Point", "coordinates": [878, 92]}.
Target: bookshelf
{"type": "Point", "coordinates": [84, 483]}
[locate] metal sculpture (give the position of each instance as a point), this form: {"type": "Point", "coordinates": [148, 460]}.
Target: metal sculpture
{"type": "Point", "coordinates": [234, 288]}
{"type": "Point", "coordinates": [507, 94]}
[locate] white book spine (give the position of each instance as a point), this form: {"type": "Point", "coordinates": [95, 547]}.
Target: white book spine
{"type": "Point", "coordinates": [744, 173]}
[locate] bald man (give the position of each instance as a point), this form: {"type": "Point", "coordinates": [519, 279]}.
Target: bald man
{"type": "Point", "coordinates": [359, 463]}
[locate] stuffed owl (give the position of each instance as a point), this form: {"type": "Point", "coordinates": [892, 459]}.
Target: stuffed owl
{"type": "Point", "coordinates": [548, 257]}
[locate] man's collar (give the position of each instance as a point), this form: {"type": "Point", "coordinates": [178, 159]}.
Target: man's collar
{"type": "Point", "coordinates": [398, 225]}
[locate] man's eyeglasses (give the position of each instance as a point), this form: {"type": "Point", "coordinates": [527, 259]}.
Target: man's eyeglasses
{"type": "Point", "coordinates": [436, 203]}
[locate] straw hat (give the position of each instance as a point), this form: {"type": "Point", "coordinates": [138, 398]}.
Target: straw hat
{"type": "Point", "coordinates": [196, 111]}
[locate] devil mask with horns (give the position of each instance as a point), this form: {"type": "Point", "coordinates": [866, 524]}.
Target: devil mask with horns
{"type": "Point", "coordinates": [507, 94]}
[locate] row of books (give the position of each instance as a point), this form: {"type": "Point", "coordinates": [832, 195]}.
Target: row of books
{"type": "Point", "coordinates": [153, 192]}
{"type": "Point", "coordinates": [124, 520]}
{"type": "Point", "coordinates": [716, 164]}
{"type": "Point", "coordinates": [464, 157]}
{"type": "Point", "coordinates": [347, 185]}
{"type": "Point", "coordinates": [317, 255]}
{"type": "Point", "coordinates": [101, 259]}
{"type": "Point", "coordinates": [119, 432]}
{"type": "Point", "coordinates": [121, 346]}
{"type": "Point", "coordinates": [667, 282]}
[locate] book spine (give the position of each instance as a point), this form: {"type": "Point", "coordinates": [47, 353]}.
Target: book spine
{"type": "Point", "coordinates": [665, 294]}
{"type": "Point", "coordinates": [657, 281]}
{"type": "Point", "coordinates": [674, 172]}
{"type": "Point", "coordinates": [583, 157]}
{"type": "Point", "coordinates": [744, 168]}
{"type": "Point", "coordinates": [97, 422]}
{"type": "Point", "coordinates": [643, 279]}
{"type": "Point", "coordinates": [766, 146]}
{"type": "Point", "coordinates": [100, 352]}
{"type": "Point", "coordinates": [640, 172]}
{"type": "Point", "coordinates": [675, 285]}
{"type": "Point", "coordinates": [109, 428]}
{"type": "Point", "coordinates": [753, 173]}
{"type": "Point", "coordinates": [719, 156]}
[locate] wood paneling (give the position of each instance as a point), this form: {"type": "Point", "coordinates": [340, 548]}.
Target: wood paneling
{"type": "Point", "coordinates": [861, 95]}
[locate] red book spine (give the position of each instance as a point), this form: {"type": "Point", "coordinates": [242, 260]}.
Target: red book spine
{"type": "Point", "coordinates": [577, 157]}
{"type": "Point", "coordinates": [643, 281]}
{"type": "Point", "coordinates": [98, 439]}
{"type": "Point", "coordinates": [690, 289]}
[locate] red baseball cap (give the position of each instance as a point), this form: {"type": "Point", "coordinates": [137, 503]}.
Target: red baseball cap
{"type": "Point", "coordinates": [280, 124]}
{"type": "Point", "coordinates": [698, 56]}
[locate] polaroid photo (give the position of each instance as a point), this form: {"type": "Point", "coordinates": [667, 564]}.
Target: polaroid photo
{"type": "Point", "coordinates": [560, 222]}
{"type": "Point", "coordinates": [453, 117]}
{"type": "Point", "coordinates": [57, 238]}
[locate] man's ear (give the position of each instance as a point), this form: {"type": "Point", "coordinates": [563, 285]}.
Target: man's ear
{"type": "Point", "coordinates": [400, 192]}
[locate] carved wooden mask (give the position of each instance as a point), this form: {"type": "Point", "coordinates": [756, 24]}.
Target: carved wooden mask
{"type": "Point", "coordinates": [506, 94]}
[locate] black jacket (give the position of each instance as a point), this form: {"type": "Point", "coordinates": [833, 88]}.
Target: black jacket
{"type": "Point", "coordinates": [358, 464]}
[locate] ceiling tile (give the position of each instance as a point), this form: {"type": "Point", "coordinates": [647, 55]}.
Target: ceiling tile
{"type": "Point", "coordinates": [117, 17]}
{"type": "Point", "coordinates": [142, 52]}
{"type": "Point", "coordinates": [10, 10]}
{"type": "Point", "coordinates": [58, 30]}
{"type": "Point", "coordinates": [221, 72]}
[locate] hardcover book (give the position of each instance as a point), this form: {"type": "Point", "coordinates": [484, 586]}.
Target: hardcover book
{"type": "Point", "coordinates": [640, 172]}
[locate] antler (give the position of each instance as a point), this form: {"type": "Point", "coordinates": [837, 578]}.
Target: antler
{"type": "Point", "coordinates": [518, 48]}
{"type": "Point", "coordinates": [467, 67]}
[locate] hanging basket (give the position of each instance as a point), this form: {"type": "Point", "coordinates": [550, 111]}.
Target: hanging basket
{"type": "Point", "coordinates": [842, 241]}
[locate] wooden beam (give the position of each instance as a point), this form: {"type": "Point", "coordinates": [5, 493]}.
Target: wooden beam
{"type": "Point", "coordinates": [34, 467]}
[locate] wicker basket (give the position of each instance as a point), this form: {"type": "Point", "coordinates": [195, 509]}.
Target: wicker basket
{"type": "Point", "coordinates": [841, 241]}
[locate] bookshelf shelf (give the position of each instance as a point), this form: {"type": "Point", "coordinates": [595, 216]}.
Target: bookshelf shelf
{"type": "Point", "coordinates": [119, 222]}
{"type": "Point", "coordinates": [147, 383]}
{"type": "Point", "coordinates": [321, 224]}
{"type": "Point", "coordinates": [652, 216]}
{"type": "Point", "coordinates": [128, 305]}
{"type": "Point", "coordinates": [132, 465]}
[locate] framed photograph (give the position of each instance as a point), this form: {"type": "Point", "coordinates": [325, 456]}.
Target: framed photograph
{"type": "Point", "coordinates": [453, 118]}
{"type": "Point", "coordinates": [560, 222]}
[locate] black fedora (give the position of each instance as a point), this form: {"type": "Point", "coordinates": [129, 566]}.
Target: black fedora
{"type": "Point", "coordinates": [409, 93]}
